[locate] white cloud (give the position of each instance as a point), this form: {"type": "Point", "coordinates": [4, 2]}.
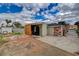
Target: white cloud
{"type": "Point", "coordinates": [26, 14]}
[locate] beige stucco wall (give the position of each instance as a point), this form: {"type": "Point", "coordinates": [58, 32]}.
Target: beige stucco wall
{"type": "Point", "coordinates": [50, 31]}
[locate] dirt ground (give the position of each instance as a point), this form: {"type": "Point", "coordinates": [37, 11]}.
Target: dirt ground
{"type": "Point", "coordinates": [29, 46]}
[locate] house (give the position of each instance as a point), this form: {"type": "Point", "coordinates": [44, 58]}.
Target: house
{"type": "Point", "coordinates": [71, 27]}
{"type": "Point", "coordinates": [55, 29]}
{"type": "Point", "coordinates": [4, 29]}
{"type": "Point", "coordinates": [39, 29]}
{"type": "Point", "coordinates": [44, 29]}
{"type": "Point", "coordinates": [77, 24]}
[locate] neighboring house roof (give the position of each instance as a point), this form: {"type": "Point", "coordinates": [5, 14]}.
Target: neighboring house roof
{"type": "Point", "coordinates": [53, 24]}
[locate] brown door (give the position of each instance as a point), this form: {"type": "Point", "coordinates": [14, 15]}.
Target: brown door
{"type": "Point", "coordinates": [28, 30]}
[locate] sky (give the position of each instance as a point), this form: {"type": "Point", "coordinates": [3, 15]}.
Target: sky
{"type": "Point", "coordinates": [38, 11]}
{"type": "Point", "coordinates": [39, 14]}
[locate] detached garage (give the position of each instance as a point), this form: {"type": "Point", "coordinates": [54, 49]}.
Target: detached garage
{"type": "Point", "coordinates": [38, 29]}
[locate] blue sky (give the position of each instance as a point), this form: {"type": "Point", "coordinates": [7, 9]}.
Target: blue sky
{"type": "Point", "coordinates": [38, 11]}
{"type": "Point", "coordinates": [14, 8]}
{"type": "Point", "coordinates": [9, 8]}
{"type": "Point", "coordinates": [50, 10]}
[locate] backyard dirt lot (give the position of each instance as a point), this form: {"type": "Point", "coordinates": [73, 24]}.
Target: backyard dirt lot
{"type": "Point", "coordinates": [25, 45]}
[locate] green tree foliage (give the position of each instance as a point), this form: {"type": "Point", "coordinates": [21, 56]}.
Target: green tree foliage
{"type": "Point", "coordinates": [17, 24]}
{"type": "Point", "coordinates": [8, 21]}
{"type": "Point", "coordinates": [62, 23]}
{"type": "Point", "coordinates": [77, 31]}
{"type": "Point", "coordinates": [77, 23]}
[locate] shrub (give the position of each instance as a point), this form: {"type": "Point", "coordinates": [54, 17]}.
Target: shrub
{"type": "Point", "coordinates": [77, 31]}
{"type": "Point", "coordinates": [16, 33]}
{"type": "Point", "coordinates": [2, 39]}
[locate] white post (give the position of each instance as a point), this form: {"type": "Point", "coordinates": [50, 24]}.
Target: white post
{"type": "Point", "coordinates": [44, 29]}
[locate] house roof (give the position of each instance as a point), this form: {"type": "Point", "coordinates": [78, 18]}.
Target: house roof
{"type": "Point", "coordinates": [53, 24]}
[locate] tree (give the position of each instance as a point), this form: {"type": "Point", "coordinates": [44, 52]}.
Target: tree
{"type": "Point", "coordinates": [62, 23]}
{"type": "Point", "coordinates": [17, 24]}
{"type": "Point", "coordinates": [77, 23]}
{"type": "Point", "coordinates": [77, 31]}
{"type": "Point", "coordinates": [8, 21]}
